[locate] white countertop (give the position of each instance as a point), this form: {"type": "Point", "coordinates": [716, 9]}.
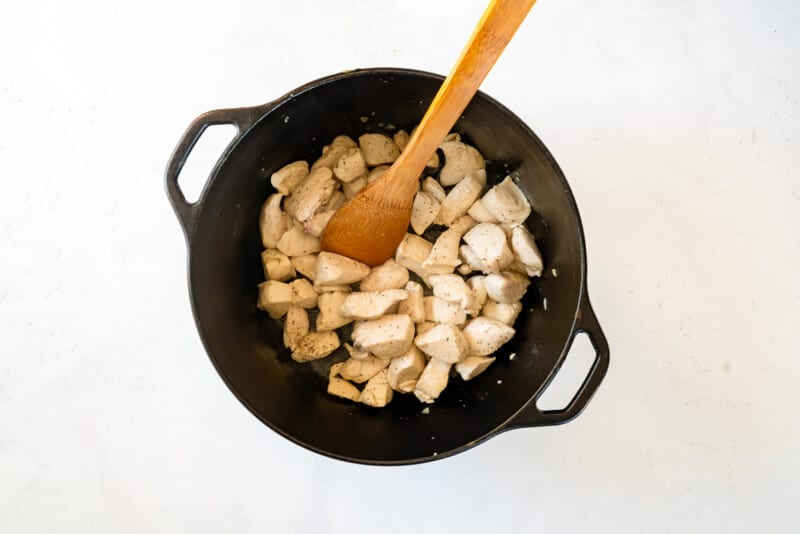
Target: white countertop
{"type": "Point", "coordinates": [677, 125]}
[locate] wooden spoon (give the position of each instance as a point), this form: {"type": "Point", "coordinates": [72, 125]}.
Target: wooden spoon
{"type": "Point", "coordinates": [371, 225]}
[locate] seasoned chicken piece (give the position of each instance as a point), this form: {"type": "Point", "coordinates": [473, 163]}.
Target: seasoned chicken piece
{"type": "Point", "coordinates": [303, 294]}
{"type": "Point", "coordinates": [461, 198]}
{"type": "Point", "coordinates": [317, 223]}
{"type": "Point", "coordinates": [351, 188]}
{"type": "Point", "coordinates": [486, 335]}
{"type": "Point", "coordinates": [378, 149]}
{"type": "Point", "coordinates": [285, 179]}
{"type": "Point", "coordinates": [500, 311]}
{"type": "Point", "coordinates": [452, 136]}
{"type": "Point", "coordinates": [507, 202]}
{"type": "Point", "coordinates": [350, 165]}
{"type": "Point", "coordinates": [468, 256]}
{"type": "Point", "coordinates": [376, 173]}
{"type": "Point", "coordinates": [314, 191]}
{"type": "Point", "coordinates": [305, 265]}
{"type": "Point", "coordinates": [387, 337]}
{"type": "Point", "coordinates": [274, 298]}
{"type": "Point", "coordinates": [371, 304]}
{"type": "Point", "coordinates": [414, 305]}
{"type": "Point", "coordinates": [401, 138]}
{"type": "Point", "coordinates": [464, 269]}
{"type": "Point", "coordinates": [445, 342]}
{"type": "Point", "coordinates": [296, 327]}
{"type": "Point", "coordinates": [359, 371]}
{"type": "Point", "coordinates": [429, 185]}
{"type": "Point", "coordinates": [334, 203]}
{"type": "Point", "coordinates": [339, 387]}
{"type": "Point", "coordinates": [271, 221]}
{"type": "Point", "coordinates": [506, 287]}
{"type": "Point", "coordinates": [452, 288]}
{"type": "Point", "coordinates": [424, 211]}
{"type": "Point", "coordinates": [412, 251]}
{"type": "Point", "coordinates": [478, 212]}
{"type": "Point", "coordinates": [390, 275]}
{"type": "Point", "coordinates": [355, 353]}
{"type": "Point", "coordinates": [331, 153]}
{"type": "Point", "coordinates": [329, 317]}
{"type": "Point", "coordinates": [526, 251]}
{"type": "Point", "coordinates": [404, 370]}
{"type": "Point", "coordinates": [333, 269]}
{"type": "Point", "coordinates": [459, 160]}
{"type": "Point", "coordinates": [432, 381]}
{"type": "Point", "coordinates": [488, 241]}
{"type": "Point", "coordinates": [277, 265]}
{"type": "Point", "coordinates": [443, 258]}
{"type": "Point", "coordinates": [377, 393]}
{"type": "Point", "coordinates": [478, 300]}
{"type": "Point", "coordinates": [314, 346]}
{"type": "Point", "coordinates": [472, 366]}
{"type": "Point", "coordinates": [440, 311]}
{"type": "Point", "coordinates": [295, 242]}
{"type": "Point", "coordinates": [320, 289]}
{"type": "Point", "coordinates": [425, 326]}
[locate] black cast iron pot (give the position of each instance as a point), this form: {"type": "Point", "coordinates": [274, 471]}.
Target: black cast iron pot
{"type": "Point", "coordinates": [246, 346]}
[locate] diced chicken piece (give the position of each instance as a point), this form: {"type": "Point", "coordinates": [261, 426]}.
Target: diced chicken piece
{"type": "Point", "coordinates": [478, 212]}
{"type": "Point", "coordinates": [401, 138]}
{"type": "Point", "coordinates": [305, 265]}
{"type": "Point", "coordinates": [329, 317]}
{"type": "Point", "coordinates": [377, 393]}
{"type": "Point", "coordinates": [296, 327]}
{"type": "Point", "coordinates": [460, 199]}
{"type": "Point", "coordinates": [445, 342]}
{"type": "Point", "coordinates": [425, 326]}
{"type": "Point", "coordinates": [464, 269]}
{"type": "Point", "coordinates": [432, 381]}
{"type": "Point", "coordinates": [468, 256]}
{"type": "Point", "coordinates": [424, 211]}
{"type": "Point", "coordinates": [355, 353]}
{"type": "Point", "coordinates": [334, 269]}
{"type": "Point", "coordinates": [271, 221]}
{"type": "Point", "coordinates": [412, 251]}
{"type": "Point", "coordinates": [334, 203]}
{"type": "Point", "coordinates": [404, 370]}
{"type": "Point", "coordinates": [378, 149]}
{"type": "Point", "coordinates": [350, 165]}
{"type": "Point", "coordinates": [315, 346]}
{"type": "Point", "coordinates": [443, 258]}
{"type": "Point", "coordinates": [452, 288]}
{"type": "Point", "coordinates": [331, 153]}
{"type": "Point", "coordinates": [351, 188]}
{"type": "Point", "coordinates": [488, 241]}
{"type": "Point", "coordinates": [517, 267]}
{"type": "Point", "coordinates": [429, 185]}
{"type": "Point", "coordinates": [295, 242]}
{"type": "Point", "coordinates": [440, 311]}
{"type": "Point", "coordinates": [339, 387]}
{"type": "Point", "coordinates": [414, 305]}
{"type": "Point", "coordinates": [506, 287]}
{"type": "Point", "coordinates": [274, 298]}
{"type": "Point", "coordinates": [390, 275]}
{"type": "Point", "coordinates": [486, 335]}
{"type": "Point", "coordinates": [277, 265]}
{"type": "Point", "coordinates": [387, 337]}
{"type": "Point", "coordinates": [478, 300]}
{"type": "Point", "coordinates": [459, 160]}
{"type": "Point", "coordinates": [310, 194]}
{"type": "Point", "coordinates": [371, 304]}
{"type": "Point", "coordinates": [285, 179]}
{"type": "Point", "coordinates": [320, 289]}
{"type": "Point", "coordinates": [526, 251]}
{"type": "Point", "coordinates": [377, 172]}
{"type": "Point", "coordinates": [472, 366]}
{"type": "Point", "coordinates": [303, 294]}
{"type": "Point", "coordinates": [507, 202]}
{"type": "Point", "coordinates": [452, 136]}
{"type": "Point", "coordinates": [317, 223]}
{"type": "Point", "coordinates": [500, 311]}
{"type": "Point", "coordinates": [359, 371]}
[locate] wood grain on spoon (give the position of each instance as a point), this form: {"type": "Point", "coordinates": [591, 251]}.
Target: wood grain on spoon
{"type": "Point", "coordinates": [371, 225]}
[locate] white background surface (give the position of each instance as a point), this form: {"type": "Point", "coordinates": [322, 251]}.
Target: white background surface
{"type": "Point", "coordinates": [677, 125]}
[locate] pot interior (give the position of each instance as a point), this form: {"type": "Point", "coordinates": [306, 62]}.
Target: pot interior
{"type": "Point", "coordinates": [246, 345]}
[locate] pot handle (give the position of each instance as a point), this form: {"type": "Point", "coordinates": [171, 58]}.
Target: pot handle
{"type": "Point", "coordinates": [242, 118]}
{"type": "Point", "coordinates": [585, 322]}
